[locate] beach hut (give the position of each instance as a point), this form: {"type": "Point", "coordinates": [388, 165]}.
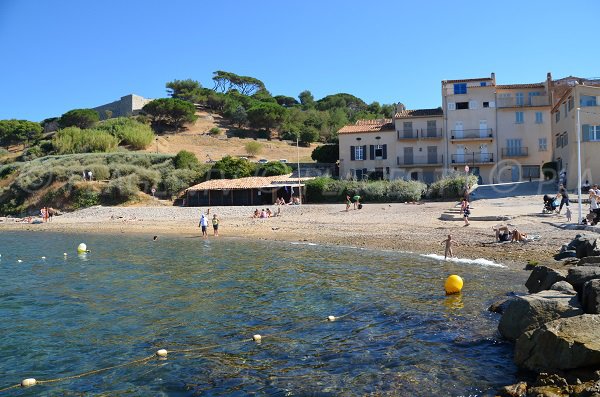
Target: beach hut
{"type": "Point", "coordinates": [255, 190]}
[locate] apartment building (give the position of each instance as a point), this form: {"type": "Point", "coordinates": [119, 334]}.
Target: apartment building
{"type": "Point", "coordinates": [524, 130]}
{"type": "Point", "coordinates": [578, 107]}
{"type": "Point", "coordinates": [470, 120]}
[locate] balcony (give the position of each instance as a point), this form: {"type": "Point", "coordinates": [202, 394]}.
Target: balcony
{"type": "Point", "coordinates": [473, 158]}
{"type": "Point", "coordinates": [472, 135]}
{"type": "Point", "coordinates": [431, 160]}
{"type": "Point", "coordinates": [423, 133]}
{"type": "Point", "coordinates": [521, 102]}
{"type": "Point", "coordinates": [514, 152]}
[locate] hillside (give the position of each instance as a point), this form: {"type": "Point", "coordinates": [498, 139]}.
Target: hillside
{"type": "Point", "coordinates": [197, 139]}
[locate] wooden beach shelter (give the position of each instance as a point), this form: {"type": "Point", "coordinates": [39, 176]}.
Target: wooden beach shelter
{"type": "Point", "coordinates": [254, 190]}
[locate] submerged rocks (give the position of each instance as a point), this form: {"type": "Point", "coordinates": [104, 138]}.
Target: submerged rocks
{"type": "Point", "coordinates": [562, 344]}
{"type": "Point", "coordinates": [543, 277]}
{"type": "Point", "coordinates": [525, 313]}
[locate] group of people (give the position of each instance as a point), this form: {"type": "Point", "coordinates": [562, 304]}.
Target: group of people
{"type": "Point", "coordinates": [265, 213]}
{"type": "Point", "coordinates": [355, 199]}
{"type": "Point", "coordinates": [293, 201]}
{"type": "Point", "coordinates": [47, 213]}
{"type": "Point", "coordinates": [88, 176]}
{"type": "Point", "coordinates": [594, 215]}
{"type": "Point", "coordinates": [203, 224]}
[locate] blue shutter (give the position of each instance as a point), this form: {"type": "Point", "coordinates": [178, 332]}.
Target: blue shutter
{"type": "Point", "coordinates": [385, 152]}
{"type": "Point", "coordinates": [586, 132]}
{"type": "Point", "coordinates": [364, 152]}
{"type": "Point", "coordinates": [352, 153]}
{"type": "Point", "coordinates": [372, 151]}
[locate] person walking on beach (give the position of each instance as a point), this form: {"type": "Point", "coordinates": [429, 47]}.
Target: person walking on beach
{"type": "Point", "coordinates": [203, 224]}
{"type": "Point", "coordinates": [449, 243]}
{"type": "Point", "coordinates": [564, 197]}
{"type": "Point", "coordinates": [215, 222]}
{"type": "Point", "coordinates": [356, 199]}
{"type": "Point", "coordinates": [466, 211]}
{"type": "Point", "coordinates": [348, 201]}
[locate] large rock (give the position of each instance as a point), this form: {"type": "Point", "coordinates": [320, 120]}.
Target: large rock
{"type": "Point", "coordinates": [586, 247]}
{"type": "Point", "coordinates": [589, 261]}
{"type": "Point", "coordinates": [525, 313]}
{"type": "Point", "coordinates": [590, 297]}
{"type": "Point", "coordinates": [578, 276]}
{"type": "Point", "coordinates": [565, 255]}
{"type": "Point", "coordinates": [543, 277]}
{"type": "Point", "coordinates": [561, 344]}
{"type": "Point", "coordinates": [563, 286]}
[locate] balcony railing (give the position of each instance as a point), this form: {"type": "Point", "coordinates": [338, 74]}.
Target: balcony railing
{"type": "Point", "coordinates": [473, 158]}
{"type": "Point", "coordinates": [513, 102]}
{"type": "Point", "coordinates": [515, 152]}
{"type": "Point", "coordinates": [480, 133]}
{"type": "Point", "coordinates": [423, 160]}
{"type": "Point", "coordinates": [423, 133]}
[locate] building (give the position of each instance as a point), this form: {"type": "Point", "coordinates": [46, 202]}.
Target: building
{"type": "Point", "coordinates": [577, 109]}
{"type": "Point", "coordinates": [128, 105]}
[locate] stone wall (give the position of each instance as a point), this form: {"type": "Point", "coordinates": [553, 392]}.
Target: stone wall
{"type": "Point", "coordinates": [128, 105]}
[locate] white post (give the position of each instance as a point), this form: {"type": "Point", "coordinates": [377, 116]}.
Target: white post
{"type": "Point", "coordinates": [579, 167]}
{"type": "Point", "coordinates": [298, 159]}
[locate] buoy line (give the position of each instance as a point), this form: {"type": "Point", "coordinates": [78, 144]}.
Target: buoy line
{"type": "Point", "coordinates": [163, 353]}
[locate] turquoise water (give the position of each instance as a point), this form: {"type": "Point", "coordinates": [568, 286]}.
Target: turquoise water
{"type": "Point", "coordinates": [131, 296]}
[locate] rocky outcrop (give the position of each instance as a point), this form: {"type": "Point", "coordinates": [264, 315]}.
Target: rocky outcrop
{"type": "Point", "coordinates": [584, 246]}
{"type": "Point", "coordinates": [563, 286]}
{"type": "Point", "coordinates": [561, 344]}
{"type": "Point", "coordinates": [589, 261]}
{"type": "Point", "coordinates": [590, 297]}
{"type": "Point", "coordinates": [543, 277]}
{"type": "Point", "coordinates": [525, 313]}
{"type": "Point", "coordinates": [578, 276]}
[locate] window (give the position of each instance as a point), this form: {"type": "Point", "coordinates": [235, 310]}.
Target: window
{"type": "Point", "coordinates": [519, 97]}
{"type": "Point", "coordinates": [591, 133]}
{"type": "Point", "coordinates": [565, 109]}
{"type": "Point", "coordinates": [587, 100]}
{"type": "Point", "coordinates": [531, 171]}
{"type": "Point", "coordinates": [558, 141]}
{"type": "Point", "coordinates": [451, 106]}
{"type": "Point", "coordinates": [539, 119]}
{"type": "Point", "coordinates": [462, 105]}
{"type": "Point", "coordinates": [543, 144]}
{"type": "Point", "coordinates": [486, 104]}
{"type": "Point", "coordinates": [357, 153]}
{"type": "Point", "coordinates": [460, 88]}
{"type": "Point", "coordinates": [519, 118]}
{"type": "Point", "coordinates": [483, 84]}
{"type": "Point", "coordinates": [565, 139]}
{"type": "Point", "coordinates": [571, 103]}
{"type": "Point", "coordinates": [557, 116]}
{"type": "Point", "coordinates": [378, 151]}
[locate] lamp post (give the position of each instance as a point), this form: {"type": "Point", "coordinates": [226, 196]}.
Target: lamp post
{"type": "Point", "coordinates": [298, 160]}
{"type": "Point", "coordinates": [156, 145]}
{"type": "Point", "coordinates": [579, 167]}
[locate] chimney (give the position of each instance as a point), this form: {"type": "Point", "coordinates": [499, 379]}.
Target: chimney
{"type": "Point", "coordinates": [400, 107]}
{"type": "Point", "coordinates": [494, 78]}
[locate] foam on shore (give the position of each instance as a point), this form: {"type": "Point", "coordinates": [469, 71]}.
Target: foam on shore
{"type": "Point", "coordinates": [478, 261]}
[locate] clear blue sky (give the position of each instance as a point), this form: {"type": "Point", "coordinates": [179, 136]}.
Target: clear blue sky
{"type": "Point", "coordinates": [64, 54]}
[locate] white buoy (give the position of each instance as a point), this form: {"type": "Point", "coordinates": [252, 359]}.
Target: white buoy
{"type": "Point", "coordinates": [18, 260]}
{"type": "Point", "coordinates": [28, 382]}
{"type": "Point", "coordinates": [331, 318]}
{"type": "Point", "coordinates": [162, 353]}
{"type": "Point", "coordinates": [256, 338]}
{"type": "Point", "coordinates": [43, 257]}
{"type": "Point", "coordinates": [65, 254]}
{"type": "Point", "coordinates": [82, 248]}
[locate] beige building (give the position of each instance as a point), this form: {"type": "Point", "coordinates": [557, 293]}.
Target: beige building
{"type": "Point", "coordinates": [524, 130]}
{"type": "Point", "coordinates": [585, 96]}
{"type": "Point", "coordinates": [128, 105]}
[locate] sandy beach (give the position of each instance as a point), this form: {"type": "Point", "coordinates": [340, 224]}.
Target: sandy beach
{"type": "Point", "coordinates": [417, 228]}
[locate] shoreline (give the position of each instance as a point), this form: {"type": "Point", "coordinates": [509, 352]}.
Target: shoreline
{"type": "Point", "coordinates": [402, 227]}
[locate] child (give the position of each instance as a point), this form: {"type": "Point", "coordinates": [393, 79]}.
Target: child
{"type": "Point", "coordinates": [215, 222]}
{"type": "Point", "coordinates": [347, 203]}
{"type": "Point", "coordinates": [568, 214]}
{"type": "Point", "coordinates": [449, 242]}
{"type": "Point", "coordinates": [464, 207]}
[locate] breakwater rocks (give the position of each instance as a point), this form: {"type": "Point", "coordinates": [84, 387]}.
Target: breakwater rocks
{"type": "Point", "coordinates": [556, 327]}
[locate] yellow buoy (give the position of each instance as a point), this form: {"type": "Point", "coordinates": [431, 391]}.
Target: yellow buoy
{"type": "Point", "coordinates": [81, 248]}
{"type": "Point", "coordinates": [453, 284]}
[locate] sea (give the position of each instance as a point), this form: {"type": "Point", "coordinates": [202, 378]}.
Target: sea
{"type": "Point", "coordinates": [84, 321]}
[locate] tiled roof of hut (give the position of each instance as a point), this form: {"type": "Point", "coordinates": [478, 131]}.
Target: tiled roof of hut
{"type": "Point", "coordinates": [252, 182]}
{"type": "Point", "coordinates": [419, 113]}
{"type": "Point", "coordinates": [368, 126]}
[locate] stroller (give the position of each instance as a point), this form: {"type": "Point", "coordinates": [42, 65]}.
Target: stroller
{"type": "Point", "coordinates": [550, 204]}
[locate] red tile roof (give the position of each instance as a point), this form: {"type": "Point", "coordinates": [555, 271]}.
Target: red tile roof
{"type": "Point", "coordinates": [252, 182]}
{"type": "Point", "coordinates": [419, 113]}
{"type": "Point", "coordinates": [368, 126]}
{"type": "Point", "coordinates": [533, 85]}
{"type": "Point", "coordinates": [467, 80]}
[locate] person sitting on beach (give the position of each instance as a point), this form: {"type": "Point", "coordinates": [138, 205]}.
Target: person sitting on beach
{"type": "Point", "coordinates": [263, 214]}
{"type": "Point", "coordinates": [502, 233]}
{"type": "Point", "coordinates": [269, 213]}
{"type": "Point", "coordinates": [296, 200]}
{"type": "Point", "coordinates": [518, 236]}
{"type": "Point", "coordinates": [256, 213]}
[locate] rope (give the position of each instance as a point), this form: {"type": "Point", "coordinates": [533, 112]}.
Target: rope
{"type": "Point", "coordinates": [190, 350]}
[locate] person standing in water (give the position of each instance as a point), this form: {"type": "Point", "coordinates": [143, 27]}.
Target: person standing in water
{"type": "Point", "coordinates": [203, 224]}
{"type": "Point", "coordinates": [449, 243]}
{"type": "Point", "coordinates": [215, 222]}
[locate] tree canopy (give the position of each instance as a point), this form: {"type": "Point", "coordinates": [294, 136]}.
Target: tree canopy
{"type": "Point", "coordinates": [188, 90]}
{"type": "Point", "coordinates": [245, 85]}
{"type": "Point", "coordinates": [15, 131]}
{"type": "Point", "coordinates": [80, 118]}
{"type": "Point", "coordinates": [326, 154]}
{"type": "Point", "coordinates": [170, 113]}
{"type": "Point", "coordinates": [232, 167]}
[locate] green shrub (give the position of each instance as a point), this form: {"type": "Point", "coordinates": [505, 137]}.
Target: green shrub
{"type": "Point", "coordinates": [253, 148]}
{"type": "Point", "coordinates": [452, 186]}
{"type": "Point", "coordinates": [181, 179]}
{"type": "Point", "coordinates": [129, 131]}
{"type": "Point", "coordinates": [85, 197]}
{"type": "Point", "coordinates": [326, 189]}
{"type": "Point", "coordinates": [6, 170]}
{"type": "Point", "coordinates": [215, 131]}
{"type": "Point", "coordinates": [75, 140]}
{"type": "Point", "coordinates": [31, 153]}
{"type": "Point", "coordinates": [185, 159]}
{"type": "Point", "coordinates": [273, 168]}
{"type": "Point", "coordinates": [121, 189]}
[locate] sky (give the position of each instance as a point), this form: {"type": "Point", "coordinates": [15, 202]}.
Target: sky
{"type": "Point", "coordinates": [66, 54]}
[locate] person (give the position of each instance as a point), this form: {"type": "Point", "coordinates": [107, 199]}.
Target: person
{"type": "Point", "coordinates": [84, 175]}
{"type": "Point", "coordinates": [90, 176]}
{"type": "Point", "coordinates": [256, 213]}
{"type": "Point", "coordinates": [564, 197]}
{"type": "Point", "coordinates": [269, 213]}
{"type": "Point", "coordinates": [203, 224]}
{"type": "Point", "coordinates": [348, 201]}
{"type": "Point", "coordinates": [518, 236]}
{"type": "Point", "coordinates": [154, 238]}
{"type": "Point", "coordinates": [449, 243]}
{"type": "Point", "coordinates": [466, 211]}
{"type": "Point", "coordinates": [568, 214]}
{"type": "Point", "coordinates": [502, 233]}
{"type": "Point", "coordinates": [215, 222]}
{"type": "Point", "coordinates": [585, 187]}
{"type": "Point", "coordinates": [356, 199]}
{"type": "Point", "coordinates": [50, 213]}
{"type": "Point", "coordinates": [278, 212]}
{"type": "Point", "coordinates": [263, 213]}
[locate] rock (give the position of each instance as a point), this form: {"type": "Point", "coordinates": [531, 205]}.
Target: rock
{"type": "Point", "coordinates": [542, 278]}
{"type": "Point", "coordinates": [516, 390]}
{"type": "Point", "coordinates": [586, 247]}
{"type": "Point", "coordinates": [548, 391]}
{"type": "Point", "coordinates": [590, 296]}
{"type": "Point", "coordinates": [563, 286]}
{"type": "Point", "coordinates": [562, 344]}
{"type": "Point", "coordinates": [575, 242]}
{"type": "Point", "coordinates": [525, 313]}
{"type": "Point", "coordinates": [566, 254]}
{"type": "Point", "coordinates": [577, 276]}
{"type": "Point", "coordinates": [500, 305]}
{"type": "Point", "coordinates": [589, 261]}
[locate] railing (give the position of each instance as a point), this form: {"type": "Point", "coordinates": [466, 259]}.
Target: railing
{"type": "Point", "coordinates": [479, 133]}
{"type": "Point", "coordinates": [473, 158]}
{"type": "Point", "coordinates": [515, 151]}
{"type": "Point", "coordinates": [423, 133]}
{"type": "Point", "coordinates": [422, 160]}
{"type": "Point", "coordinates": [526, 101]}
